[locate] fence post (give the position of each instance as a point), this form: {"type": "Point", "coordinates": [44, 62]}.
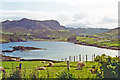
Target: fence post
{"type": "Point", "coordinates": [61, 59]}
{"type": "Point", "coordinates": [74, 58]}
{"type": "Point", "coordinates": [94, 57]}
{"type": "Point", "coordinates": [68, 67]}
{"type": "Point", "coordinates": [79, 57]}
{"type": "Point", "coordinates": [69, 58]}
{"type": "Point", "coordinates": [86, 58]}
{"type": "Point", "coordinates": [83, 57]}
{"type": "Point", "coordinates": [65, 59]}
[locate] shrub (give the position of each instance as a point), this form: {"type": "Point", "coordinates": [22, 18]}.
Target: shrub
{"type": "Point", "coordinates": [66, 75]}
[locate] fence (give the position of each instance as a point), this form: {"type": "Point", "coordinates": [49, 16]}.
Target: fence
{"type": "Point", "coordinates": [78, 58]}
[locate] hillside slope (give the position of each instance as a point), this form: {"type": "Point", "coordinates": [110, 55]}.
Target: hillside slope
{"type": "Point", "coordinates": [113, 33]}
{"type": "Point", "coordinates": [38, 29]}
{"type": "Point", "coordinates": [109, 40]}
{"type": "Point", "coordinates": [48, 29]}
{"type": "Point", "coordinates": [29, 26]}
{"type": "Point", "coordinates": [88, 31]}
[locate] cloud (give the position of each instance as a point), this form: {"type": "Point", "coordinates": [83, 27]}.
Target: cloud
{"type": "Point", "coordinates": [95, 13]}
{"type": "Point", "coordinates": [109, 20]}
{"type": "Point", "coordinates": [80, 15]}
{"type": "Point", "coordinates": [27, 0]}
{"type": "Point", "coordinates": [65, 18]}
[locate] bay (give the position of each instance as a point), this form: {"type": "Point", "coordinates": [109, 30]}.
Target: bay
{"type": "Point", "coordinates": [55, 50]}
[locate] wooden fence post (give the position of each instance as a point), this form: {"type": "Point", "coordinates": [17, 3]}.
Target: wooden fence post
{"type": "Point", "coordinates": [61, 59]}
{"type": "Point", "coordinates": [94, 57]}
{"type": "Point", "coordinates": [68, 67]}
{"type": "Point", "coordinates": [86, 58]}
{"type": "Point", "coordinates": [79, 57]}
{"type": "Point", "coordinates": [74, 58]}
{"type": "Point", "coordinates": [65, 59]}
{"type": "Point", "coordinates": [69, 58]}
{"type": "Point", "coordinates": [83, 57]}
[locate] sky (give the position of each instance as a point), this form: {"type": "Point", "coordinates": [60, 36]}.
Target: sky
{"type": "Point", "coordinates": [70, 13]}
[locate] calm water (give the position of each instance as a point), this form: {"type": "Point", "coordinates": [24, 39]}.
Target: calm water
{"type": "Point", "coordinates": [55, 50]}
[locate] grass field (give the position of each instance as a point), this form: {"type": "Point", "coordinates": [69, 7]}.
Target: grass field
{"type": "Point", "coordinates": [58, 70]}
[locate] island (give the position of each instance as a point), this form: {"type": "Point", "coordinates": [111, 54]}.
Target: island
{"type": "Point", "coordinates": [22, 48]}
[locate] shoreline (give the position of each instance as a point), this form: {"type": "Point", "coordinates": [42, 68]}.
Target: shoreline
{"type": "Point", "coordinates": [10, 42]}
{"type": "Point", "coordinates": [35, 40]}
{"type": "Point", "coordinates": [55, 61]}
{"type": "Point", "coordinates": [104, 47]}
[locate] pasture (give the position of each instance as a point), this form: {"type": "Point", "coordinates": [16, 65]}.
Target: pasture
{"type": "Point", "coordinates": [58, 70]}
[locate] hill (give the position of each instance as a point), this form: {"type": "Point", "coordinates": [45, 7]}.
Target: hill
{"type": "Point", "coordinates": [13, 37]}
{"type": "Point", "coordinates": [113, 33]}
{"type": "Point", "coordinates": [48, 29]}
{"type": "Point", "coordinates": [88, 31]}
{"type": "Point", "coordinates": [109, 39]}
{"type": "Point", "coordinates": [38, 29]}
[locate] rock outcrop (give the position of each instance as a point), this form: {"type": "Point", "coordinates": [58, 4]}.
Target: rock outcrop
{"type": "Point", "coordinates": [22, 48]}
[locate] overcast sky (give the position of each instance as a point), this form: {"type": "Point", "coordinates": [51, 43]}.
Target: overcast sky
{"type": "Point", "coordinates": [79, 13]}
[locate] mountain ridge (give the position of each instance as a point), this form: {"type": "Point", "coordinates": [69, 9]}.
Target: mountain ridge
{"type": "Point", "coordinates": [46, 25]}
{"type": "Point", "coordinates": [25, 29]}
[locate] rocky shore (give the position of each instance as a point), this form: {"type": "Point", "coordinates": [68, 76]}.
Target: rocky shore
{"type": "Point", "coordinates": [22, 48]}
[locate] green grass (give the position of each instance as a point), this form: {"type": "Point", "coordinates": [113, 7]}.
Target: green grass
{"type": "Point", "coordinates": [100, 42]}
{"type": "Point", "coordinates": [53, 72]}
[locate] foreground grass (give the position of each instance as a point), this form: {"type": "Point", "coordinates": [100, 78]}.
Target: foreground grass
{"type": "Point", "coordinates": [29, 69]}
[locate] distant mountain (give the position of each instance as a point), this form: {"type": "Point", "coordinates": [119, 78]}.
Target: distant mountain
{"type": "Point", "coordinates": [77, 26]}
{"type": "Point", "coordinates": [48, 29]}
{"type": "Point", "coordinates": [31, 24]}
{"type": "Point", "coordinates": [112, 33]}
{"type": "Point", "coordinates": [88, 31]}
